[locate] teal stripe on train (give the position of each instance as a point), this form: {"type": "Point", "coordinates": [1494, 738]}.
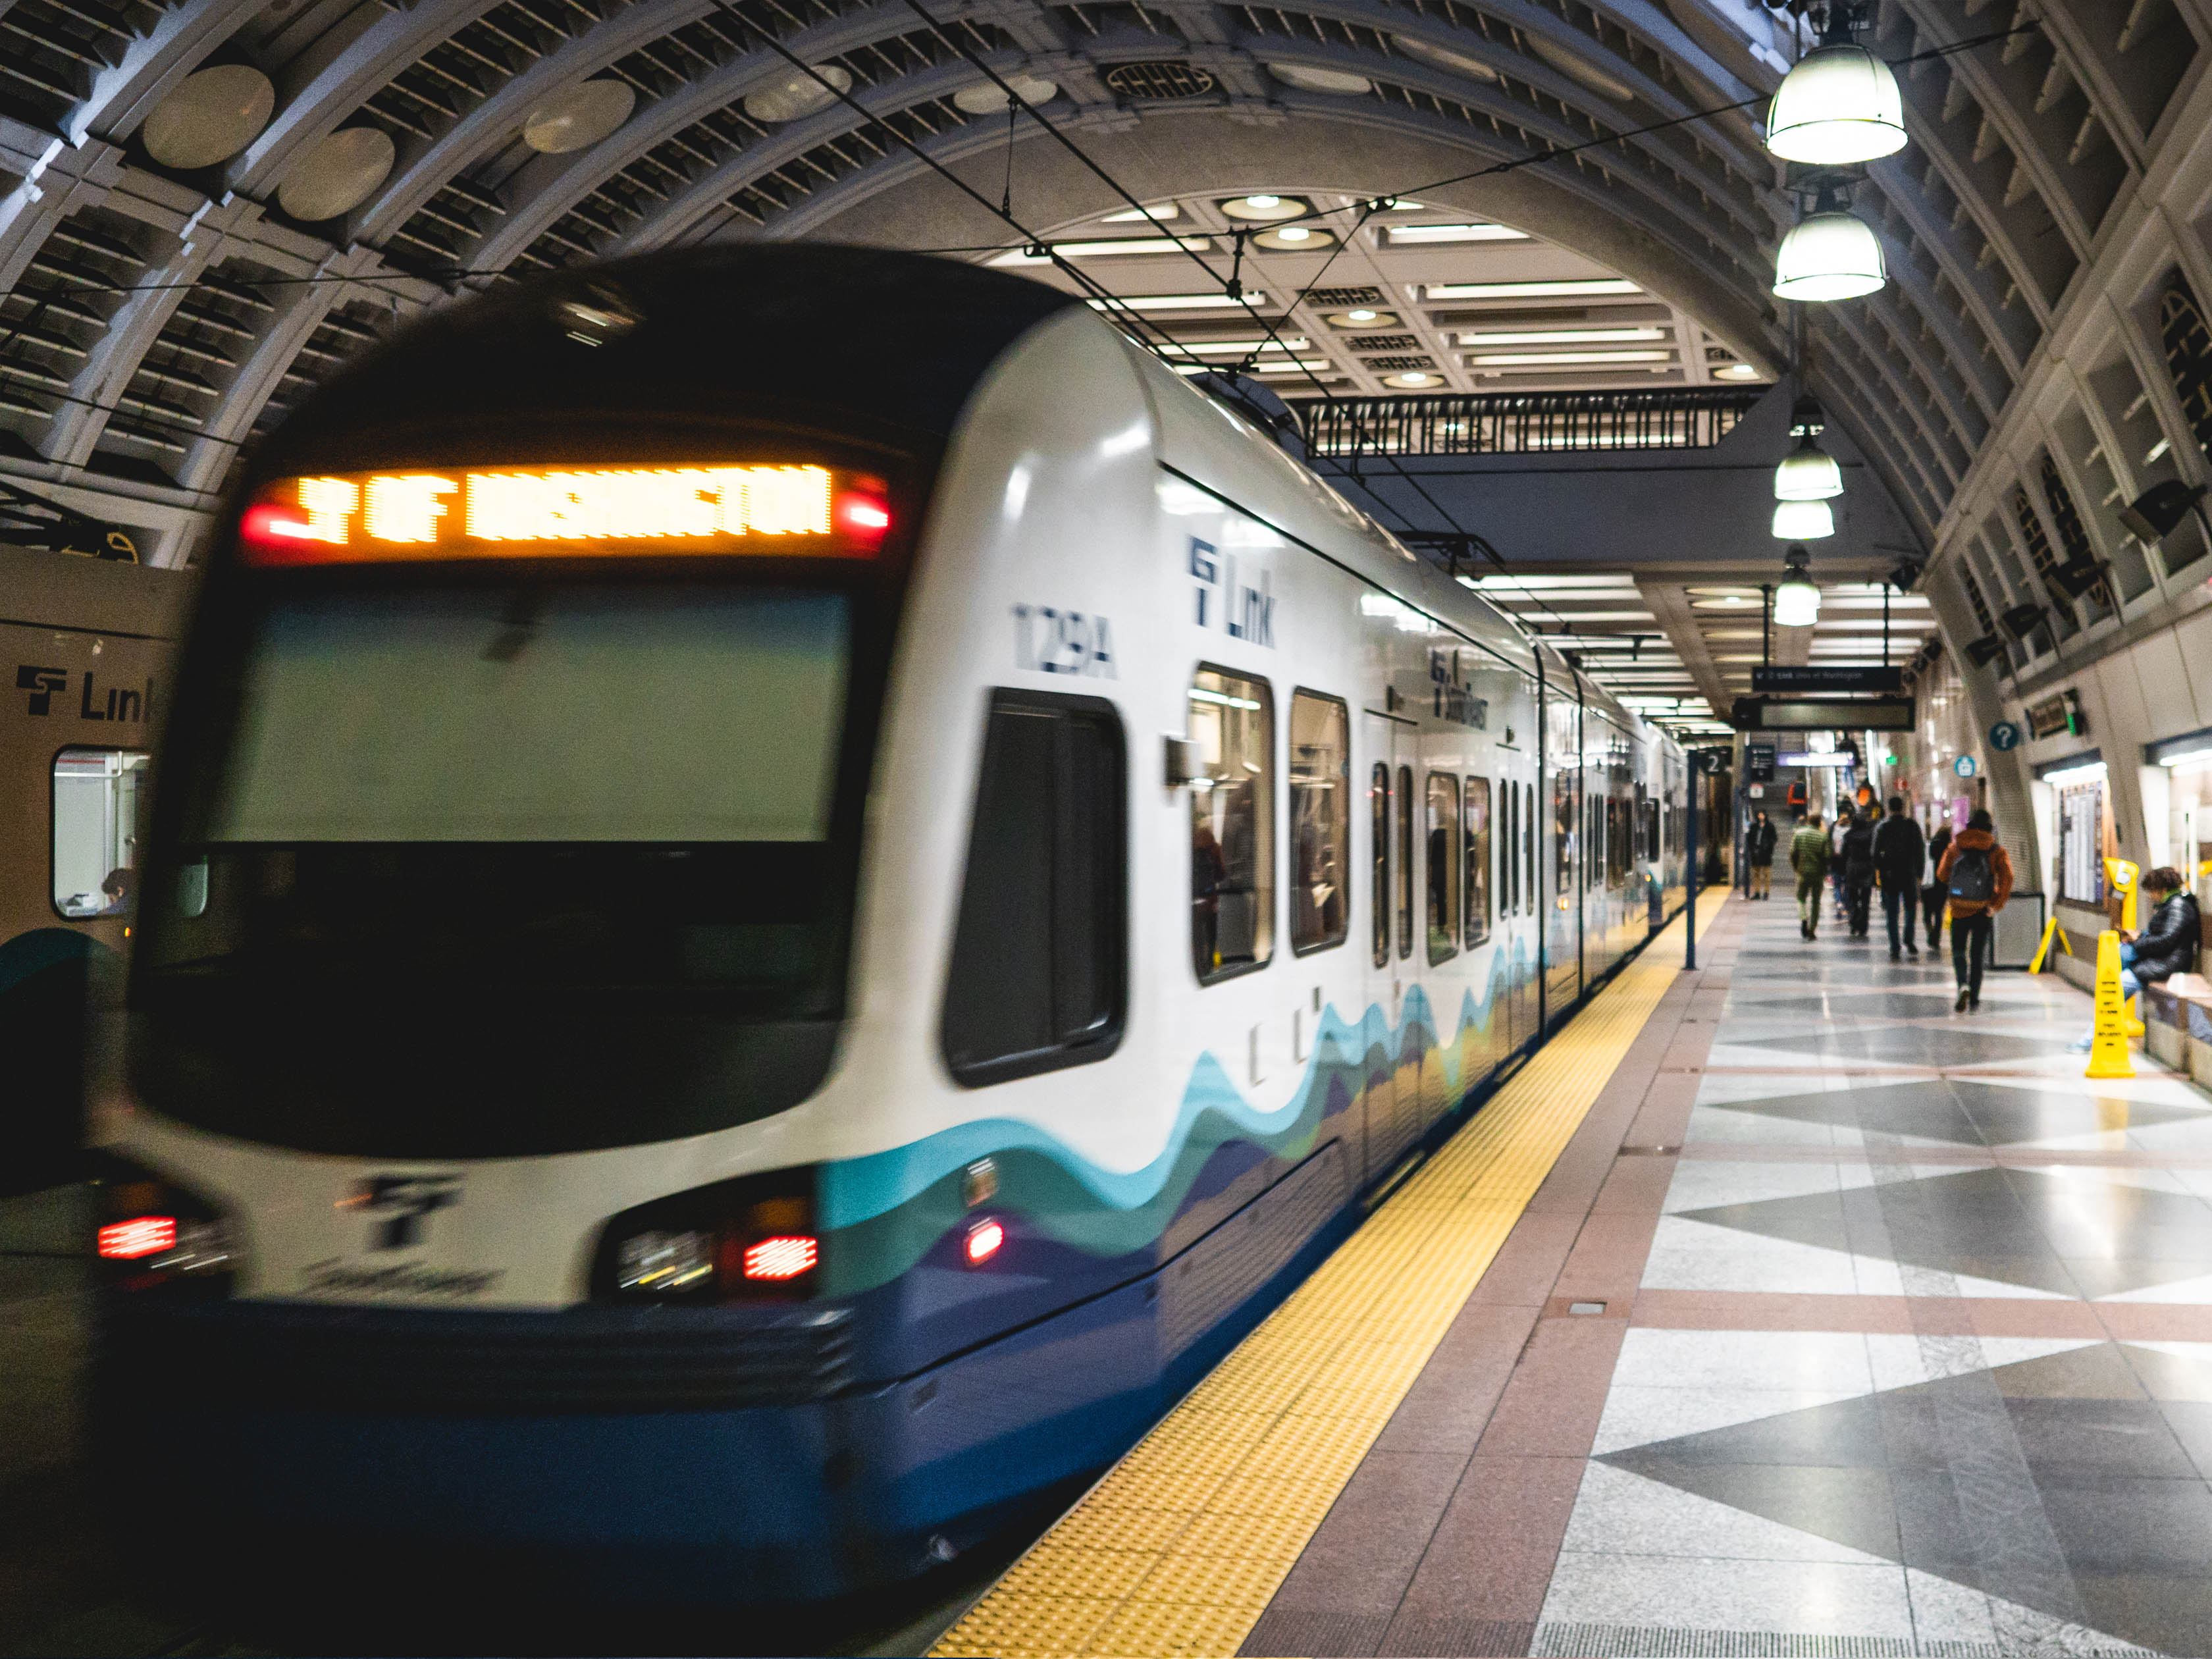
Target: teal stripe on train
{"type": "Point", "coordinates": [889, 1208]}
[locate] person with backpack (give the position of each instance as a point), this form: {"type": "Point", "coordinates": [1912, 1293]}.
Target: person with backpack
{"type": "Point", "coordinates": [1977, 878]}
{"type": "Point", "coordinates": [1931, 896]}
{"type": "Point", "coordinates": [1837, 864]}
{"type": "Point", "coordinates": [2166, 947]}
{"type": "Point", "coordinates": [1759, 855]}
{"type": "Point", "coordinates": [1899, 860]}
{"type": "Point", "coordinates": [1858, 872]}
{"type": "Point", "coordinates": [1809, 858]}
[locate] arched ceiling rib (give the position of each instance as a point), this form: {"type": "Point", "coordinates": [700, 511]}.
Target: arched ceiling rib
{"type": "Point", "coordinates": [2023, 152]}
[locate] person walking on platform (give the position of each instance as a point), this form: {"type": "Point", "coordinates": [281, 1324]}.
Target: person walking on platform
{"type": "Point", "coordinates": [1809, 858]}
{"type": "Point", "coordinates": [1759, 855]}
{"type": "Point", "coordinates": [1900, 858]}
{"type": "Point", "coordinates": [1931, 896]}
{"type": "Point", "coordinates": [1978, 878]}
{"type": "Point", "coordinates": [2166, 947]}
{"type": "Point", "coordinates": [1837, 831]}
{"type": "Point", "coordinates": [1858, 872]}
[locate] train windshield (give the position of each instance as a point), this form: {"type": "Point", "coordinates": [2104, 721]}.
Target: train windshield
{"type": "Point", "coordinates": [589, 784]}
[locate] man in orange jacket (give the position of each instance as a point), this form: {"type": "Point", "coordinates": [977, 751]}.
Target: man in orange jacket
{"type": "Point", "coordinates": [1978, 877]}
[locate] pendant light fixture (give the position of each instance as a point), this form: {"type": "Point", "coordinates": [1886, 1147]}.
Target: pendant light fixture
{"type": "Point", "coordinates": [1797, 601]}
{"type": "Point", "coordinates": [1840, 104]}
{"type": "Point", "coordinates": [1804, 522]}
{"type": "Point", "coordinates": [1832, 254]}
{"type": "Point", "coordinates": [1807, 473]}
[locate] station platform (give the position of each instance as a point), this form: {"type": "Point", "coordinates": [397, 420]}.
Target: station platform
{"type": "Point", "coordinates": [1772, 1309]}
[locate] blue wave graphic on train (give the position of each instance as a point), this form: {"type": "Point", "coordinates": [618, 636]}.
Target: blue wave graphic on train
{"type": "Point", "coordinates": [1214, 1112]}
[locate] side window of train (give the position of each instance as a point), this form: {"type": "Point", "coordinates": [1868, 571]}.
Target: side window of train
{"type": "Point", "coordinates": [1321, 821]}
{"type": "Point", "coordinates": [1378, 812]}
{"type": "Point", "coordinates": [1040, 958]}
{"type": "Point", "coordinates": [96, 797]}
{"type": "Point", "coordinates": [1443, 867]}
{"type": "Point", "coordinates": [1528, 901]}
{"type": "Point", "coordinates": [1404, 862]}
{"type": "Point", "coordinates": [1478, 861]}
{"type": "Point", "coordinates": [1232, 823]}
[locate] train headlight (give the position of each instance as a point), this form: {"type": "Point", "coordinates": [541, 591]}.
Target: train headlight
{"type": "Point", "coordinates": [749, 1240]}
{"type": "Point", "coordinates": [152, 1233]}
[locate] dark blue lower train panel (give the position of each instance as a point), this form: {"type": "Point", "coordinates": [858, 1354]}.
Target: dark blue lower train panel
{"type": "Point", "coordinates": [771, 1503]}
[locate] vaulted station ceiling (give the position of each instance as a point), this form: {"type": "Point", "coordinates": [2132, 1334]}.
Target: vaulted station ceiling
{"type": "Point", "coordinates": [204, 207]}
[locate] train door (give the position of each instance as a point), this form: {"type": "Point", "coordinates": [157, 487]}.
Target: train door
{"type": "Point", "coordinates": [1560, 886]}
{"type": "Point", "coordinates": [1393, 1070]}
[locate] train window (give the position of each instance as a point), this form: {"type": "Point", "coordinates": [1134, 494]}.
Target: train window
{"type": "Point", "coordinates": [1478, 861]}
{"type": "Point", "coordinates": [1378, 812]}
{"type": "Point", "coordinates": [1509, 851]}
{"type": "Point", "coordinates": [1232, 823]}
{"type": "Point", "coordinates": [1443, 867]}
{"type": "Point", "coordinates": [96, 796]}
{"type": "Point", "coordinates": [1321, 820]}
{"type": "Point", "coordinates": [1528, 827]}
{"type": "Point", "coordinates": [1563, 833]}
{"type": "Point", "coordinates": [1039, 959]}
{"type": "Point", "coordinates": [1405, 860]}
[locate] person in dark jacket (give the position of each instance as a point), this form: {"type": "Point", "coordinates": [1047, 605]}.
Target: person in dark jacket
{"type": "Point", "coordinates": [2167, 947]}
{"type": "Point", "coordinates": [1977, 877]}
{"type": "Point", "coordinates": [1858, 872]}
{"type": "Point", "coordinates": [1759, 855]}
{"type": "Point", "coordinates": [1931, 896]}
{"type": "Point", "coordinates": [1899, 860]}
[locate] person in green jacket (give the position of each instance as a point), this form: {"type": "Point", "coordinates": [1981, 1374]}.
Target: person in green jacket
{"type": "Point", "coordinates": [1809, 857]}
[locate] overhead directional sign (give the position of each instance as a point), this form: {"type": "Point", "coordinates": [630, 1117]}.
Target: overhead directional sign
{"type": "Point", "coordinates": [1816, 677]}
{"type": "Point", "coordinates": [1815, 713]}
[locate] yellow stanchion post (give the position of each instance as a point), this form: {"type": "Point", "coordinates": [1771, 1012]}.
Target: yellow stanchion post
{"type": "Point", "coordinates": [2050, 927]}
{"type": "Point", "coordinates": [2108, 1047]}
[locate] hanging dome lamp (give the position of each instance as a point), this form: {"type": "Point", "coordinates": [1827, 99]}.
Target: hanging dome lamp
{"type": "Point", "coordinates": [1832, 254]}
{"type": "Point", "coordinates": [1797, 601]}
{"type": "Point", "coordinates": [1807, 473]}
{"type": "Point", "coordinates": [1840, 104]}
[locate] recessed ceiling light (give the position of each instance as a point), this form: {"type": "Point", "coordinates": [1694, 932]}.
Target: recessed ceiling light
{"type": "Point", "coordinates": [1292, 233]}
{"type": "Point", "coordinates": [1737, 371]}
{"type": "Point", "coordinates": [1414, 377]}
{"type": "Point", "coordinates": [1295, 239]}
{"type": "Point", "coordinates": [1366, 317]}
{"type": "Point", "coordinates": [1266, 208]}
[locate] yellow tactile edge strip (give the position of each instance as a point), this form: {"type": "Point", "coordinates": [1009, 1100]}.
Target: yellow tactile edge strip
{"type": "Point", "coordinates": [1179, 1549]}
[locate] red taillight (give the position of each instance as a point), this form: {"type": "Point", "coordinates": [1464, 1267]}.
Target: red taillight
{"type": "Point", "coordinates": [983, 1240]}
{"type": "Point", "coordinates": [142, 1235]}
{"type": "Point", "coordinates": [863, 518]}
{"type": "Point", "coordinates": [781, 1258]}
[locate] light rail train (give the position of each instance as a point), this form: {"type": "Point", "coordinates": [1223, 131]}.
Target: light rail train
{"type": "Point", "coordinates": [86, 639]}
{"type": "Point", "coordinates": [790, 884]}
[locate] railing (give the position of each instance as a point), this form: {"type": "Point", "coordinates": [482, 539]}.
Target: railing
{"type": "Point", "coordinates": [1510, 423]}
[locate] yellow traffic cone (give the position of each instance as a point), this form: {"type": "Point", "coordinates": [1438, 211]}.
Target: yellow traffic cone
{"type": "Point", "coordinates": [2108, 1047]}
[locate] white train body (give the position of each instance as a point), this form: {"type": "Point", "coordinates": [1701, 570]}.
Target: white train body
{"type": "Point", "coordinates": [1010, 1270]}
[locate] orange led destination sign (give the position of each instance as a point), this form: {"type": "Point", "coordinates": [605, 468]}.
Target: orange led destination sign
{"type": "Point", "coordinates": [547, 512]}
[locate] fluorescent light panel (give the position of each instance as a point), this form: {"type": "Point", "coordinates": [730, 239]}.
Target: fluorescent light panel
{"type": "Point", "coordinates": [1180, 302]}
{"type": "Point", "coordinates": [1548, 359]}
{"type": "Point", "coordinates": [1524, 290]}
{"type": "Point", "coordinates": [1562, 337]}
{"type": "Point", "coordinates": [1417, 235]}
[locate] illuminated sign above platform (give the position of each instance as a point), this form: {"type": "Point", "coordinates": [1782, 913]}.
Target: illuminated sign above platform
{"type": "Point", "coordinates": [532, 512]}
